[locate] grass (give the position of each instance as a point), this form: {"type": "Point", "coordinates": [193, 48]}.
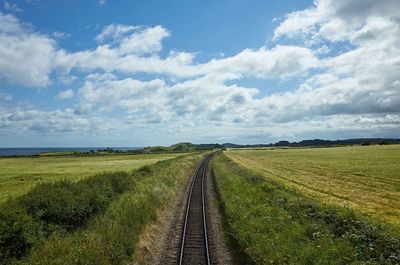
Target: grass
{"type": "Point", "coordinates": [111, 237]}
{"type": "Point", "coordinates": [268, 223]}
{"type": "Point", "coordinates": [363, 178]}
{"type": "Point", "coordinates": [60, 207]}
{"type": "Point", "coordinates": [19, 175]}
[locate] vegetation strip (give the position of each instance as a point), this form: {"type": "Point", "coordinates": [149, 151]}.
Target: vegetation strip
{"type": "Point", "coordinates": [88, 222]}
{"type": "Point", "coordinates": [273, 224]}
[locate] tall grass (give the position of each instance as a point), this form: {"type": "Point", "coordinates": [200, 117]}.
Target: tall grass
{"type": "Point", "coordinates": [271, 224]}
{"type": "Point", "coordinates": [111, 237]}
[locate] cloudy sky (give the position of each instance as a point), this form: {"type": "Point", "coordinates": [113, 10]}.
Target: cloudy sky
{"type": "Point", "coordinates": [124, 73]}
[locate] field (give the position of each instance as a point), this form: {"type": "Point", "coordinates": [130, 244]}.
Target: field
{"type": "Point", "coordinates": [363, 178]}
{"type": "Point", "coordinates": [18, 175]}
{"type": "Point", "coordinates": [97, 220]}
{"type": "Point", "coordinates": [336, 205]}
{"type": "Point", "coordinates": [268, 222]}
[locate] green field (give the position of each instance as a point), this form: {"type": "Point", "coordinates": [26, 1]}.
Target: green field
{"type": "Point", "coordinates": [364, 178]}
{"type": "Point", "coordinates": [18, 175]}
{"type": "Point", "coordinates": [267, 221]}
{"type": "Point", "coordinates": [98, 220]}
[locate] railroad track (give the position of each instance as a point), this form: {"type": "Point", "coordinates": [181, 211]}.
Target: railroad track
{"type": "Point", "coordinates": [194, 247]}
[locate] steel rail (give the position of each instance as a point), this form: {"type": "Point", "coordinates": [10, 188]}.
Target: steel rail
{"type": "Point", "coordinates": [202, 166]}
{"type": "Point", "coordinates": [204, 209]}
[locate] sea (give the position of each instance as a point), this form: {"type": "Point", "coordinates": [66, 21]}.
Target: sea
{"type": "Point", "coordinates": [37, 151]}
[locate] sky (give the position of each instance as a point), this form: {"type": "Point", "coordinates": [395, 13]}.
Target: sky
{"type": "Point", "coordinates": [138, 73]}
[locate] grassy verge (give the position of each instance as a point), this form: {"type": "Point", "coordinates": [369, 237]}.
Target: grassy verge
{"type": "Point", "coordinates": [272, 224]}
{"type": "Point", "coordinates": [111, 237]}
{"type": "Point", "coordinates": [19, 174]}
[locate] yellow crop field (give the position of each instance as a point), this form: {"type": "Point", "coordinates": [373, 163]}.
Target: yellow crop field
{"type": "Point", "coordinates": [363, 178]}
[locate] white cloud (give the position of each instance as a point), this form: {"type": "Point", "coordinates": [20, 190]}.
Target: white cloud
{"type": "Point", "coordinates": [58, 35]}
{"type": "Point", "coordinates": [278, 62]}
{"type": "Point", "coordinates": [105, 92]}
{"type": "Point", "coordinates": [362, 80]}
{"type": "Point", "coordinates": [134, 39]}
{"type": "Point", "coordinates": [144, 41]}
{"type": "Point", "coordinates": [115, 32]}
{"type": "Point", "coordinates": [133, 49]}
{"type": "Point", "coordinates": [66, 94]}
{"type": "Point", "coordinates": [155, 102]}
{"type": "Point", "coordinates": [340, 93]}
{"type": "Point", "coordinates": [59, 122]}
{"type": "Point", "coordinates": [5, 96]}
{"type": "Point", "coordinates": [110, 60]}
{"type": "Point", "coordinates": [12, 7]}
{"type": "Point", "coordinates": [336, 19]}
{"type": "Point", "coordinates": [26, 58]}
{"type": "Point", "coordinates": [275, 19]}
{"type": "Point", "coordinates": [298, 22]}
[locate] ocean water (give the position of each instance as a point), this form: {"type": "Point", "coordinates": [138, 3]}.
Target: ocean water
{"type": "Point", "coordinates": [36, 151]}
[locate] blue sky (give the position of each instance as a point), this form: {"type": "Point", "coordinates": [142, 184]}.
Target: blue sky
{"type": "Point", "coordinates": [124, 73]}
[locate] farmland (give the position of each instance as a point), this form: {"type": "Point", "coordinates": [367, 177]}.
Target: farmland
{"type": "Point", "coordinates": [20, 174]}
{"type": "Point", "coordinates": [97, 220]}
{"type": "Point", "coordinates": [269, 220]}
{"type": "Point", "coordinates": [336, 205]}
{"type": "Point", "coordinates": [363, 178]}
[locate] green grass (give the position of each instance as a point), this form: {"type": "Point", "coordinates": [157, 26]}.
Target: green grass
{"type": "Point", "coordinates": [18, 175]}
{"type": "Point", "coordinates": [111, 237]}
{"type": "Point", "coordinates": [58, 207]}
{"type": "Point", "coordinates": [363, 178]}
{"type": "Point", "coordinates": [268, 223]}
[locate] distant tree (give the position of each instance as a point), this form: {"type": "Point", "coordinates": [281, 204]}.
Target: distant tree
{"type": "Point", "coordinates": [283, 143]}
{"type": "Point", "coordinates": [366, 143]}
{"type": "Point", "coordinates": [384, 142]}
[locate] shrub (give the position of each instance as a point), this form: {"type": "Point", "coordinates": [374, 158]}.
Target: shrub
{"type": "Point", "coordinates": [18, 233]}
{"type": "Point", "coordinates": [61, 207]}
{"type": "Point", "coordinates": [65, 205]}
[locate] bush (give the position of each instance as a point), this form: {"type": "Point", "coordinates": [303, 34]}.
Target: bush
{"type": "Point", "coordinates": [65, 205]}
{"type": "Point", "coordinates": [18, 233]}
{"type": "Point", "coordinates": [365, 143]}
{"type": "Point", "coordinates": [61, 207]}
